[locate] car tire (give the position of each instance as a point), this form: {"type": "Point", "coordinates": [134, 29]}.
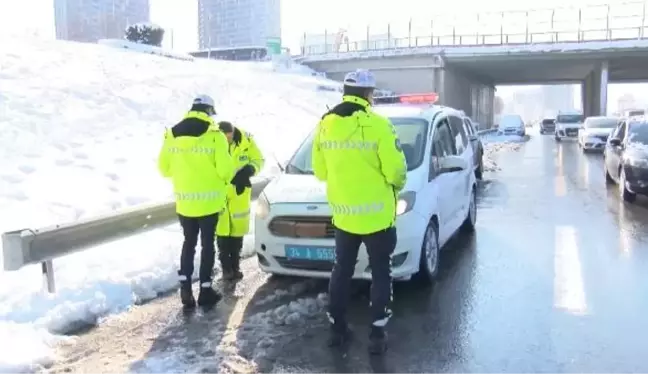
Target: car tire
{"type": "Point", "coordinates": [625, 194]}
{"type": "Point", "coordinates": [430, 252]}
{"type": "Point", "coordinates": [479, 172]}
{"type": "Point", "coordinates": [471, 218]}
{"type": "Point", "coordinates": [608, 177]}
{"type": "Point", "coordinates": [557, 138]}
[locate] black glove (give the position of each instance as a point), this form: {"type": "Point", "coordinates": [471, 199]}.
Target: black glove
{"type": "Point", "coordinates": [242, 178]}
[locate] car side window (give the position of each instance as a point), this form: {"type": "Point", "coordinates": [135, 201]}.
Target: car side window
{"type": "Point", "coordinates": [458, 134]}
{"type": "Point", "coordinates": [469, 127]}
{"type": "Point", "coordinates": [621, 131]}
{"type": "Point", "coordinates": [442, 145]}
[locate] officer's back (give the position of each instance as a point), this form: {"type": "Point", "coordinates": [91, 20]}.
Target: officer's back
{"type": "Point", "coordinates": [358, 155]}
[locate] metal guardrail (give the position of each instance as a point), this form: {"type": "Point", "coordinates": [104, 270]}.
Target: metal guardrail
{"type": "Point", "coordinates": [32, 246]}
{"type": "Point", "coordinates": [617, 21]}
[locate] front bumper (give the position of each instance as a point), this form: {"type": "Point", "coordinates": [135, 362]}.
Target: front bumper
{"type": "Point", "coordinates": [636, 179]}
{"type": "Point", "coordinates": [271, 253]}
{"type": "Point", "coordinates": [567, 133]}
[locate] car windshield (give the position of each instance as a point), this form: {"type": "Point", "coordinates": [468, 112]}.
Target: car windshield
{"type": "Point", "coordinates": [638, 133]}
{"type": "Point", "coordinates": [511, 121]}
{"type": "Point", "coordinates": [570, 118]}
{"type": "Point", "coordinates": [601, 123]}
{"type": "Point", "coordinates": [548, 121]}
{"type": "Point", "coordinates": [411, 132]}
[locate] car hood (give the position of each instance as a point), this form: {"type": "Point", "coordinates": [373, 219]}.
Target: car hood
{"type": "Point", "coordinates": [598, 131]}
{"type": "Point", "coordinates": [570, 125]}
{"type": "Point", "coordinates": [305, 188]}
{"type": "Point", "coordinates": [295, 188]}
{"type": "Point", "coordinates": [636, 151]}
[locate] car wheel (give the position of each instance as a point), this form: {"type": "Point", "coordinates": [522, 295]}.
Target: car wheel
{"type": "Point", "coordinates": [429, 261]}
{"type": "Point", "coordinates": [471, 218]}
{"type": "Point", "coordinates": [625, 194]}
{"type": "Point", "coordinates": [479, 172]}
{"type": "Point", "coordinates": [557, 138]}
{"type": "Point", "coordinates": [608, 177]}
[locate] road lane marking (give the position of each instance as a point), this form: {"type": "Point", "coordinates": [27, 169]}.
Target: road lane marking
{"type": "Point", "coordinates": [560, 186]}
{"type": "Point", "coordinates": [569, 291]}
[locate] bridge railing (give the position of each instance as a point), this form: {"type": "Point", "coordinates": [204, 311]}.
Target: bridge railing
{"type": "Point", "coordinates": [620, 21]}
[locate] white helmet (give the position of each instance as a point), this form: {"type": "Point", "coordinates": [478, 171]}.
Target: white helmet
{"type": "Point", "coordinates": [360, 78]}
{"type": "Point", "coordinates": [204, 100]}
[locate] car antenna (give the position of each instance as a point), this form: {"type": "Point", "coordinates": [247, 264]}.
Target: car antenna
{"type": "Point", "coordinates": [281, 167]}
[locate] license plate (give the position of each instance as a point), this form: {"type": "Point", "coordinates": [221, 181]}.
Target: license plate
{"type": "Point", "coordinates": [302, 252]}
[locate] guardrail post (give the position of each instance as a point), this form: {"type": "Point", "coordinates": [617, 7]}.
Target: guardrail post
{"type": "Point", "coordinates": [643, 21]}
{"type": "Point", "coordinates": [502, 28]}
{"type": "Point", "coordinates": [580, 23]}
{"type": "Point", "coordinates": [432, 32]}
{"type": "Point", "coordinates": [409, 33]}
{"type": "Point", "coordinates": [526, 33]}
{"type": "Point", "coordinates": [552, 27]}
{"type": "Point", "coordinates": [608, 32]}
{"type": "Point", "coordinates": [47, 268]}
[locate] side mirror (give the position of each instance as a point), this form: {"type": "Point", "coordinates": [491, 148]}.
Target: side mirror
{"type": "Point", "coordinates": [450, 164]}
{"type": "Point", "coordinates": [473, 137]}
{"type": "Point", "coordinates": [615, 142]}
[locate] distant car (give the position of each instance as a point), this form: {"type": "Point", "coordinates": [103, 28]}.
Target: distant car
{"type": "Point", "coordinates": [595, 132]}
{"type": "Point", "coordinates": [478, 147]}
{"type": "Point", "coordinates": [547, 126]}
{"type": "Point", "coordinates": [567, 125]}
{"type": "Point", "coordinates": [511, 124]}
{"type": "Point", "coordinates": [626, 158]}
{"type": "Point", "coordinates": [294, 234]}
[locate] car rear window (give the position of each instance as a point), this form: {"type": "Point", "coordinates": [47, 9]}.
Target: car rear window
{"type": "Point", "coordinates": [511, 121]}
{"type": "Point", "coordinates": [601, 123]}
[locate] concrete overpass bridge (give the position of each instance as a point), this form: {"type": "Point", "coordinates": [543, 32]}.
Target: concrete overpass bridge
{"type": "Point", "coordinates": [465, 75]}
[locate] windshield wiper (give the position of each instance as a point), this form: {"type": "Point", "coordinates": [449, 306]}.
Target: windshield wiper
{"type": "Point", "coordinates": [292, 169]}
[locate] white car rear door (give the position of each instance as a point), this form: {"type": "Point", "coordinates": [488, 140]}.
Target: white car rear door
{"type": "Point", "coordinates": [444, 183]}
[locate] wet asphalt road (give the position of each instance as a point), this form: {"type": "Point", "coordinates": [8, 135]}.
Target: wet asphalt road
{"type": "Point", "coordinates": [555, 279]}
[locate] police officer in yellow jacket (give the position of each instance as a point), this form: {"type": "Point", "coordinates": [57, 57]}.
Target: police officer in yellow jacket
{"type": "Point", "coordinates": [234, 222]}
{"type": "Point", "coordinates": [358, 154]}
{"type": "Point", "coordinates": [195, 157]}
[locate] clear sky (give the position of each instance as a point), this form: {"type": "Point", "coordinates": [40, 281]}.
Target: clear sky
{"type": "Point", "coordinates": [298, 16]}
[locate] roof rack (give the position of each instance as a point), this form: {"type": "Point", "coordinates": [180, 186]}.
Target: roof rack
{"type": "Point", "coordinates": [422, 98]}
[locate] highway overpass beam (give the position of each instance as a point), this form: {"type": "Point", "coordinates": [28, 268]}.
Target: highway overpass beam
{"type": "Point", "coordinates": [594, 91]}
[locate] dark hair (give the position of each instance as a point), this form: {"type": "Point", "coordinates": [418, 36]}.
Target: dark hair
{"type": "Point", "coordinates": [225, 126]}
{"type": "Point", "coordinates": [362, 92]}
{"type": "Point", "coordinates": [203, 108]}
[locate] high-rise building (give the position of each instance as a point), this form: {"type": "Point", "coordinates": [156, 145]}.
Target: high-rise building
{"type": "Point", "coordinates": [91, 20]}
{"type": "Point", "coordinates": [237, 23]}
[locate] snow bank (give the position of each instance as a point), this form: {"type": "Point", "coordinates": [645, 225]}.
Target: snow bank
{"type": "Point", "coordinates": [494, 144]}
{"type": "Point", "coordinates": [144, 48]}
{"type": "Point", "coordinates": [82, 127]}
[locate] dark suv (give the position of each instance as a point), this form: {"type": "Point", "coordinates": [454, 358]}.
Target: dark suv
{"type": "Point", "coordinates": [626, 158]}
{"type": "Point", "coordinates": [547, 126]}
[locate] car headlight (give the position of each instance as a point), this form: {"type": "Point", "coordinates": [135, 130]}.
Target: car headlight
{"type": "Point", "coordinates": [405, 202]}
{"type": "Point", "coordinates": [262, 207]}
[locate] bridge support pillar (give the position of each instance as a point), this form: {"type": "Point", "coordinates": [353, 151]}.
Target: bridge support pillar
{"type": "Point", "coordinates": [594, 91]}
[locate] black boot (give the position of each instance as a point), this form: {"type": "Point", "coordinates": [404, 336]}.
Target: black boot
{"type": "Point", "coordinates": [186, 295]}
{"type": "Point", "coordinates": [377, 340]}
{"type": "Point", "coordinates": [340, 335]}
{"type": "Point", "coordinates": [236, 258]}
{"type": "Point", "coordinates": [225, 257]}
{"type": "Point", "coordinates": [208, 296]}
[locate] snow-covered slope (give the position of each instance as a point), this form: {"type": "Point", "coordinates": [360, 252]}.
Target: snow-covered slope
{"type": "Point", "coordinates": [80, 129]}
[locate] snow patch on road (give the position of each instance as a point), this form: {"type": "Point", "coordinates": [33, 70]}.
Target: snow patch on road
{"type": "Point", "coordinates": [247, 347]}
{"type": "Point", "coordinates": [495, 144]}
